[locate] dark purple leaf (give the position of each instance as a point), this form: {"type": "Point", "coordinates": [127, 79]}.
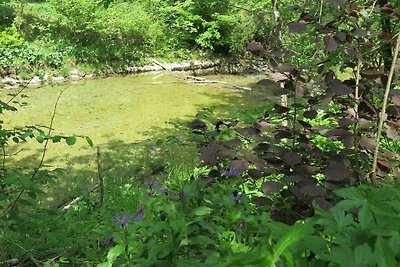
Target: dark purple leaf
{"type": "Point", "coordinates": [296, 27]}
{"type": "Point", "coordinates": [310, 114]}
{"type": "Point", "coordinates": [313, 190]}
{"type": "Point", "coordinates": [283, 68]}
{"type": "Point", "coordinates": [296, 191]}
{"type": "Point", "coordinates": [396, 100]}
{"type": "Point", "coordinates": [248, 132]}
{"type": "Point", "coordinates": [307, 17]}
{"type": "Point", "coordinates": [208, 155]}
{"type": "Point", "coordinates": [305, 124]}
{"type": "Point", "coordinates": [262, 201]}
{"type": "Point", "coordinates": [299, 90]}
{"type": "Point", "coordinates": [339, 88]}
{"type": "Point", "coordinates": [367, 143]}
{"type": "Point", "coordinates": [336, 171]}
{"type": "Point", "coordinates": [323, 203]}
{"type": "Point", "coordinates": [337, 2]}
{"type": "Point", "coordinates": [237, 167]}
{"type": "Point", "coordinates": [330, 43]}
{"type": "Point", "coordinates": [271, 187]}
{"type": "Point", "coordinates": [332, 186]}
{"type": "Point", "coordinates": [255, 47]}
{"type": "Point", "coordinates": [392, 133]}
{"type": "Point", "coordinates": [268, 83]}
{"type": "Point", "coordinates": [371, 74]}
{"type": "Point", "coordinates": [292, 159]}
{"type": "Point", "coordinates": [198, 125]}
{"type": "Point", "coordinates": [255, 174]}
{"type": "Point", "coordinates": [334, 133]}
{"type": "Point", "coordinates": [281, 109]}
{"type": "Point", "coordinates": [279, 77]}
{"type": "Point", "coordinates": [345, 122]}
{"type": "Point", "coordinates": [386, 166]}
{"type": "Point", "coordinates": [365, 124]}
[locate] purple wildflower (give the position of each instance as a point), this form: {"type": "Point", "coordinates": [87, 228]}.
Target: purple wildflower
{"type": "Point", "coordinates": [122, 220]}
{"type": "Point", "coordinates": [139, 215]}
{"type": "Point", "coordinates": [151, 183]}
{"type": "Point", "coordinates": [236, 196]}
{"type": "Point", "coordinates": [181, 195]}
{"type": "Point", "coordinates": [108, 242]}
{"type": "Point", "coordinates": [125, 219]}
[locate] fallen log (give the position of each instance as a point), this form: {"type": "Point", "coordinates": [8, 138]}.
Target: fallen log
{"type": "Point", "coordinates": [193, 79]}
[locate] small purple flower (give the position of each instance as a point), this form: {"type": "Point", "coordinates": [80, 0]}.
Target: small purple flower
{"type": "Point", "coordinates": [122, 220]}
{"type": "Point", "coordinates": [139, 215]}
{"type": "Point", "coordinates": [236, 196]}
{"type": "Point", "coordinates": [241, 226]}
{"type": "Point", "coordinates": [151, 183]}
{"type": "Point", "coordinates": [181, 195]}
{"type": "Point", "coordinates": [125, 219]}
{"type": "Point", "coordinates": [108, 242]}
{"type": "Point", "coordinates": [231, 171]}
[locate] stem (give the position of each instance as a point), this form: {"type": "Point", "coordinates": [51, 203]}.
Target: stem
{"type": "Point", "coordinates": [295, 114]}
{"type": "Point", "coordinates": [320, 10]}
{"type": "Point", "coordinates": [357, 98]}
{"type": "Point", "coordinates": [383, 111]}
{"type": "Point", "coordinates": [101, 180]}
{"type": "Point", "coordinates": [35, 172]}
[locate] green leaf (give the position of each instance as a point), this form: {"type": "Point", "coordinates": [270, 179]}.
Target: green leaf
{"type": "Point", "coordinates": [26, 182]}
{"type": "Point", "coordinates": [295, 234]}
{"type": "Point", "coordinates": [202, 240]}
{"type": "Point", "coordinates": [39, 138]}
{"type": "Point", "coordinates": [89, 141]}
{"type": "Point", "coordinates": [113, 254]}
{"type": "Point", "coordinates": [202, 211]}
{"type": "Point", "coordinates": [363, 255]}
{"type": "Point", "coordinates": [70, 140]}
{"type": "Point", "coordinates": [10, 180]}
{"type": "Point", "coordinates": [365, 217]}
{"type": "Point", "coordinates": [56, 138]}
{"type": "Point", "coordinates": [384, 253]}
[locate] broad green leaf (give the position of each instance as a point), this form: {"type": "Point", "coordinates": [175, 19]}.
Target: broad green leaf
{"type": "Point", "coordinates": [202, 240]}
{"type": "Point", "coordinates": [295, 234]}
{"type": "Point", "coordinates": [384, 254]}
{"type": "Point", "coordinates": [89, 141]}
{"type": "Point", "coordinates": [39, 138]}
{"type": "Point", "coordinates": [112, 255]}
{"type": "Point", "coordinates": [351, 193]}
{"type": "Point", "coordinates": [363, 255]}
{"type": "Point", "coordinates": [70, 140]}
{"type": "Point", "coordinates": [10, 179]}
{"type": "Point", "coordinates": [365, 217]}
{"type": "Point", "coordinates": [26, 182]}
{"type": "Point", "coordinates": [56, 138]}
{"type": "Point", "coordinates": [202, 211]}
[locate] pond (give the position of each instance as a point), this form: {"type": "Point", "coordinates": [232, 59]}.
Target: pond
{"type": "Point", "coordinates": [115, 113]}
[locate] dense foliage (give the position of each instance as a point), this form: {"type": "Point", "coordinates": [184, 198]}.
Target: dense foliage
{"type": "Point", "coordinates": [309, 181]}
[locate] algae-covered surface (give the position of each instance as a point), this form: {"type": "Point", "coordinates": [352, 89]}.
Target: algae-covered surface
{"type": "Point", "coordinates": [114, 112]}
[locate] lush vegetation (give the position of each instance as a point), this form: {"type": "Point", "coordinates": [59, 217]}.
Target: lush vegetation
{"type": "Point", "coordinates": [311, 180]}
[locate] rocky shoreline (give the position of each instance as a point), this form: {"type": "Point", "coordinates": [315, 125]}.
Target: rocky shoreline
{"type": "Point", "coordinates": [77, 75]}
{"type": "Point", "coordinates": [193, 67]}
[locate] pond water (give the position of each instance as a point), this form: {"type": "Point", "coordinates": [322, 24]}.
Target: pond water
{"type": "Point", "coordinates": [115, 112]}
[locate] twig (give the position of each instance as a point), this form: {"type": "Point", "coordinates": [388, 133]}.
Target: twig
{"type": "Point", "coordinates": [20, 91]}
{"type": "Point", "coordinates": [35, 172]}
{"type": "Point", "coordinates": [320, 11]}
{"type": "Point", "coordinates": [382, 116]}
{"type": "Point", "coordinates": [101, 181]}
{"type": "Point", "coordinates": [356, 108]}
{"type": "Point", "coordinates": [372, 8]}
